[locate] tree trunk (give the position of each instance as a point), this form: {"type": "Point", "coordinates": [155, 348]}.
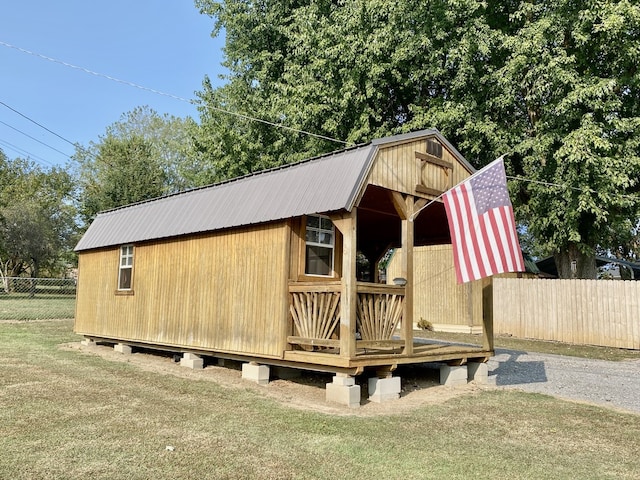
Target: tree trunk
{"type": "Point", "coordinates": [572, 263]}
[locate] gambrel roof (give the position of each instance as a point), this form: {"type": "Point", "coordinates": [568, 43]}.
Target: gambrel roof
{"type": "Point", "coordinates": [328, 183]}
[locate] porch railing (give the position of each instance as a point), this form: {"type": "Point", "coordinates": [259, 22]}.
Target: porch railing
{"type": "Point", "coordinates": [315, 310]}
{"type": "Point", "coordinates": [379, 310]}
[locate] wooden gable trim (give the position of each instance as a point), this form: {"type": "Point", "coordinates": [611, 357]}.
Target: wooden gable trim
{"type": "Point", "coordinates": [447, 168]}
{"type": "Point", "coordinates": [427, 157]}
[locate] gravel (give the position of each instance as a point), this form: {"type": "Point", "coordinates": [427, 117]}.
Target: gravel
{"type": "Point", "coordinates": [612, 384]}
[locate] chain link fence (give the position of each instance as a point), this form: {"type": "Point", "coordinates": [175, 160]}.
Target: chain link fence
{"type": "Point", "coordinates": [37, 298]}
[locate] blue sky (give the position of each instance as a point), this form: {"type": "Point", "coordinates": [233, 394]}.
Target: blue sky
{"type": "Point", "coordinates": [164, 45]}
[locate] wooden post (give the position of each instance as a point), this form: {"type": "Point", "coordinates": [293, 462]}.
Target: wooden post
{"type": "Point", "coordinates": [348, 292]}
{"type": "Point", "coordinates": [487, 316]}
{"type": "Point", "coordinates": [407, 273]}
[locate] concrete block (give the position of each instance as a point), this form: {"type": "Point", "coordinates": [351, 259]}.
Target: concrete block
{"type": "Point", "coordinates": [191, 360]}
{"type": "Point", "coordinates": [453, 376]}
{"type": "Point", "coordinates": [478, 372]}
{"type": "Point", "coordinates": [255, 373]}
{"type": "Point", "coordinates": [123, 348]}
{"type": "Point", "coordinates": [384, 389]}
{"type": "Point", "coordinates": [88, 342]}
{"type": "Point", "coordinates": [344, 391]}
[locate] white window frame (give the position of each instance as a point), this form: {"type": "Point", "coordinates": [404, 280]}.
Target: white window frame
{"type": "Point", "coordinates": [329, 246]}
{"type": "Point", "coordinates": [125, 263]}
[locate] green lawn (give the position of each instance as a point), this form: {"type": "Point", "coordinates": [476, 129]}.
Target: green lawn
{"type": "Point", "coordinates": [40, 307]}
{"type": "Point", "coordinates": [68, 415]}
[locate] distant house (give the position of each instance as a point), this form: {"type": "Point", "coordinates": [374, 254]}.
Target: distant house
{"type": "Point", "coordinates": [262, 269]}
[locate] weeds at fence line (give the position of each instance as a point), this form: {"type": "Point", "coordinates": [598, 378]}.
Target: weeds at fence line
{"type": "Point", "coordinates": [37, 298]}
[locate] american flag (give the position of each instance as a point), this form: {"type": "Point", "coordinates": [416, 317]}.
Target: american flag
{"type": "Point", "coordinates": [482, 225]}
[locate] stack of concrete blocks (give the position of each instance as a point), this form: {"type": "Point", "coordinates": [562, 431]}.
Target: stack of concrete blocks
{"type": "Point", "coordinates": [192, 361]}
{"type": "Point", "coordinates": [384, 389]}
{"type": "Point", "coordinates": [456, 375]}
{"type": "Point", "coordinates": [123, 348]}
{"type": "Point", "coordinates": [255, 373]}
{"type": "Point", "coordinates": [343, 390]}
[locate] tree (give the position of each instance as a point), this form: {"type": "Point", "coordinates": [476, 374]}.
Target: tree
{"type": "Point", "coordinates": [170, 140]}
{"type": "Point", "coordinates": [123, 171]}
{"type": "Point", "coordinates": [552, 84]}
{"type": "Point", "coordinates": [37, 218]}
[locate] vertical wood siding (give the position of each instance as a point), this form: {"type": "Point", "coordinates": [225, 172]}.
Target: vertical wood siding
{"type": "Point", "coordinates": [592, 312]}
{"type": "Point", "coordinates": [437, 296]}
{"type": "Point", "coordinates": [225, 291]}
{"type": "Point", "coordinates": [396, 168]}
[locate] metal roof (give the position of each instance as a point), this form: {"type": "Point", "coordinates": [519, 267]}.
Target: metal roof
{"type": "Point", "coordinates": [324, 184]}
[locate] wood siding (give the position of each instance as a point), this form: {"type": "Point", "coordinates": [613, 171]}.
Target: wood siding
{"type": "Point", "coordinates": [397, 168]}
{"type": "Point", "coordinates": [437, 297]}
{"type": "Point", "coordinates": [592, 312]}
{"type": "Point", "coordinates": [226, 291]}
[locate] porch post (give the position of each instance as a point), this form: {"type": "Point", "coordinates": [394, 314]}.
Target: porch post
{"type": "Point", "coordinates": [487, 315]}
{"type": "Point", "coordinates": [407, 273]}
{"type": "Point", "coordinates": [348, 292]}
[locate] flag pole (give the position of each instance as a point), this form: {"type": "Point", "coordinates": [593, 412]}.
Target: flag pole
{"type": "Point", "coordinates": [416, 213]}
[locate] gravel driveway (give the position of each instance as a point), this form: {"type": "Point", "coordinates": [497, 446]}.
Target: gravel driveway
{"type": "Point", "coordinates": [613, 384]}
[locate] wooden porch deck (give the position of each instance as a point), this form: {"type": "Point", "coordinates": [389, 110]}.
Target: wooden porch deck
{"type": "Point", "coordinates": [315, 312]}
{"type": "Point", "coordinates": [371, 356]}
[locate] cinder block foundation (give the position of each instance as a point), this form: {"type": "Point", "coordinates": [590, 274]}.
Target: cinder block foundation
{"type": "Point", "coordinates": [255, 373]}
{"type": "Point", "coordinates": [384, 389]}
{"type": "Point", "coordinates": [478, 372]}
{"type": "Point", "coordinates": [88, 342]}
{"type": "Point", "coordinates": [123, 348]}
{"type": "Point", "coordinates": [343, 390]}
{"type": "Point", "coordinates": [453, 375]}
{"type": "Point", "coordinates": [191, 360]}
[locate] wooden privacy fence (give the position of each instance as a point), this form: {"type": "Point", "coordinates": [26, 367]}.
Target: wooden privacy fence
{"type": "Point", "coordinates": [591, 312]}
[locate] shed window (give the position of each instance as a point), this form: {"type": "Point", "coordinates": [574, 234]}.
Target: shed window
{"type": "Point", "coordinates": [125, 274]}
{"type": "Point", "coordinates": [320, 242]}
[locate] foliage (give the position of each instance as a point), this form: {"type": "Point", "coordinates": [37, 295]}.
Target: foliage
{"type": "Point", "coordinates": [142, 156]}
{"type": "Point", "coordinates": [554, 85]}
{"type": "Point", "coordinates": [123, 171]}
{"type": "Point", "coordinates": [37, 218]}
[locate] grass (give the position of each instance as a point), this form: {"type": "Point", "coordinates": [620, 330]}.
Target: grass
{"type": "Point", "coordinates": [23, 307]}
{"type": "Point", "coordinates": [65, 415]}
{"type": "Point", "coordinates": [540, 346]}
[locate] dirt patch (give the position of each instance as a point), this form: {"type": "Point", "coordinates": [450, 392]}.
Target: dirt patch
{"type": "Point", "coordinates": [420, 383]}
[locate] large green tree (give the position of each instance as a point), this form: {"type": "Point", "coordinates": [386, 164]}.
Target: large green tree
{"type": "Point", "coordinates": [120, 172]}
{"type": "Point", "coordinates": [141, 156]}
{"type": "Point", "coordinates": [552, 84]}
{"type": "Point", "coordinates": [37, 218]}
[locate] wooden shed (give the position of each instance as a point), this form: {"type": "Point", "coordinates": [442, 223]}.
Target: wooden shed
{"type": "Point", "coordinates": [263, 268]}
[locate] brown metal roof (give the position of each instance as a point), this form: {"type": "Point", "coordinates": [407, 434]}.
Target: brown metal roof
{"type": "Point", "coordinates": [324, 184]}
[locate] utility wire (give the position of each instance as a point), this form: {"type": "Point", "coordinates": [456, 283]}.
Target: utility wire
{"type": "Point", "coordinates": [35, 139]}
{"type": "Point", "coordinates": [175, 97]}
{"type": "Point", "coordinates": [38, 124]}
{"type": "Point", "coordinates": [21, 151]}
{"type": "Point", "coordinates": [569, 187]}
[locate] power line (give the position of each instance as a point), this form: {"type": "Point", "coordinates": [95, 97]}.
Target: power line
{"type": "Point", "coordinates": [569, 187]}
{"type": "Point", "coordinates": [175, 97]}
{"type": "Point", "coordinates": [38, 124]}
{"type": "Point", "coordinates": [35, 139]}
{"type": "Point", "coordinates": [21, 151]}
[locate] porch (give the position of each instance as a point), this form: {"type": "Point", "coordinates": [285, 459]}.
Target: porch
{"type": "Point", "coordinates": [380, 340]}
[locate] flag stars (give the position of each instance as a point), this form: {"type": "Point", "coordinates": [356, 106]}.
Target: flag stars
{"type": "Point", "coordinates": [489, 189]}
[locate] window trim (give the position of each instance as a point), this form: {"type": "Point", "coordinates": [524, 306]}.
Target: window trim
{"type": "Point", "coordinates": [332, 269]}
{"type": "Point", "coordinates": [129, 255]}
